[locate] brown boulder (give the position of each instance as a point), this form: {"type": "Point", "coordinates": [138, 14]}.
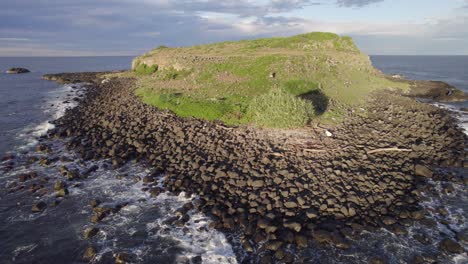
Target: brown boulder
{"type": "Point", "coordinates": [450, 246]}
{"type": "Point", "coordinates": [89, 254]}
{"type": "Point", "coordinates": [423, 171]}
{"type": "Point", "coordinates": [90, 232]}
{"type": "Point", "coordinates": [38, 207]}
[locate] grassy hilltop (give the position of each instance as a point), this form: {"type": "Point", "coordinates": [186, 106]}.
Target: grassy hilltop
{"type": "Point", "coordinates": [271, 82]}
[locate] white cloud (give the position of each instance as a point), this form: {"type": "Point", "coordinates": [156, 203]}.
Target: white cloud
{"type": "Point", "coordinates": [15, 39]}
{"type": "Point", "coordinates": [150, 34]}
{"type": "Point", "coordinates": [26, 51]}
{"type": "Point", "coordinates": [356, 3]}
{"type": "Point", "coordinates": [139, 25]}
{"type": "Point", "coordinates": [274, 25]}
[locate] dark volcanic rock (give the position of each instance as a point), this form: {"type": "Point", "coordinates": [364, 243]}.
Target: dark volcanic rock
{"type": "Point", "coordinates": [61, 192]}
{"type": "Point", "coordinates": [377, 260]}
{"type": "Point", "coordinates": [89, 253]}
{"type": "Point", "coordinates": [90, 232]}
{"type": "Point", "coordinates": [122, 258]}
{"type": "Point", "coordinates": [423, 171]}
{"type": "Point", "coordinates": [38, 207]}
{"type": "Point", "coordinates": [17, 70]}
{"type": "Point", "coordinates": [435, 90]}
{"type": "Point", "coordinates": [451, 246]}
{"type": "Point", "coordinates": [271, 189]}
{"type": "Point", "coordinates": [462, 236]}
{"type": "Point", "coordinates": [94, 203]}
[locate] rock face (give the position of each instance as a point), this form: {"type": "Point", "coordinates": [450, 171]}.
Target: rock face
{"type": "Point", "coordinates": [84, 77]}
{"type": "Point", "coordinates": [451, 246]}
{"type": "Point", "coordinates": [89, 253]}
{"type": "Point", "coordinates": [423, 171]}
{"type": "Point", "coordinates": [434, 90]}
{"type": "Point", "coordinates": [17, 70]}
{"type": "Point", "coordinates": [90, 232]}
{"type": "Point", "coordinates": [273, 192]}
{"type": "Point", "coordinates": [38, 207]}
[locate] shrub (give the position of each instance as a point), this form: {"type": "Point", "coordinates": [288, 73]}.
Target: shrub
{"type": "Point", "coordinates": [279, 108]}
{"type": "Point", "coordinates": [299, 86]}
{"type": "Point", "coordinates": [144, 69]}
{"type": "Point", "coordinates": [310, 92]}
{"type": "Point", "coordinates": [172, 74]}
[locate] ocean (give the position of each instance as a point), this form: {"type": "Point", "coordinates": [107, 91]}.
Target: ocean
{"type": "Point", "coordinates": [142, 230]}
{"type": "Point", "coordinates": [449, 69]}
{"type": "Point", "coordinates": [25, 99]}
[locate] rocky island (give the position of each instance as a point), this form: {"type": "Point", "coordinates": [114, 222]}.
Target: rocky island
{"type": "Point", "coordinates": [17, 70]}
{"type": "Point", "coordinates": [285, 141]}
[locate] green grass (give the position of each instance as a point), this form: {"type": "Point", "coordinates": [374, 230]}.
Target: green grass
{"type": "Point", "coordinates": [252, 73]}
{"type": "Point", "coordinates": [318, 76]}
{"type": "Point", "coordinates": [173, 74]}
{"type": "Point", "coordinates": [144, 69]}
{"type": "Point", "coordinates": [280, 108]}
{"type": "Point", "coordinates": [299, 87]}
{"type": "Point", "coordinates": [185, 106]}
{"type": "Point", "coordinates": [301, 41]}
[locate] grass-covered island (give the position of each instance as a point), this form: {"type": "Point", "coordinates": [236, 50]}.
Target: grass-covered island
{"type": "Point", "coordinates": [272, 82]}
{"type": "Point", "coordinates": [358, 154]}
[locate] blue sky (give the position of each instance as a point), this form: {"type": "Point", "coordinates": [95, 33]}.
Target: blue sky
{"type": "Point", "coordinates": [131, 27]}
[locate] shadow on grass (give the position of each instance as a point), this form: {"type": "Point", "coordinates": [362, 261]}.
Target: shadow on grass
{"type": "Point", "coordinates": [318, 99]}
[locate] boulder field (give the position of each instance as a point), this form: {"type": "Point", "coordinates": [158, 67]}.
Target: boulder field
{"type": "Point", "coordinates": [370, 173]}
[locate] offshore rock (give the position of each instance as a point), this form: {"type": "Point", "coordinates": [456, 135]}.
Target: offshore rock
{"type": "Point", "coordinates": [17, 70]}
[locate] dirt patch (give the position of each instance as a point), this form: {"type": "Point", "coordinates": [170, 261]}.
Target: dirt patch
{"type": "Point", "coordinates": [229, 78]}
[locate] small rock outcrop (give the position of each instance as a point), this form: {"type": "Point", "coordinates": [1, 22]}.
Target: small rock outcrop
{"type": "Point", "coordinates": [451, 246]}
{"type": "Point", "coordinates": [17, 70]}
{"type": "Point", "coordinates": [38, 207]}
{"type": "Point", "coordinates": [89, 253]}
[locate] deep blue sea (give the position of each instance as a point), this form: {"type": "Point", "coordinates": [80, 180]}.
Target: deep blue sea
{"type": "Point", "coordinates": [142, 229]}
{"type": "Point", "coordinates": [24, 98]}
{"type": "Point", "coordinates": [450, 69]}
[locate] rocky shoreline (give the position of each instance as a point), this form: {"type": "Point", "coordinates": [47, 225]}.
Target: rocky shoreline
{"type": "Point", "coordinates": [433, 90]}
{"type": "Point", "coordinates": [275, 193]}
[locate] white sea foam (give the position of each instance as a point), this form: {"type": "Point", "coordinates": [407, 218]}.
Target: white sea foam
{"type": "Point", "coordinates": [460, 259]}
{"type": "Point", "coordinates": [464, 126]}
{"type": "Point", "coordinates": [59, 101]}
{"type": "Point", "coordinates": [23, 249]}
{"type": "Point", "coordinates": [397, 248]}
{"type": "Point", "coordinates": [461, 116]}
{"type": "Point", "coordinates": [195, 238]}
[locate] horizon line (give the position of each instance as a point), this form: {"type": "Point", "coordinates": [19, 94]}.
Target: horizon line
{"type": "Point", "coordinates": [84, 56]}
{"type": "Point", "coordinates": [90, 56]}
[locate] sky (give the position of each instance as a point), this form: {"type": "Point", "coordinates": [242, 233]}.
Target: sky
{"type": "Point", "coordinates": [132, 27]}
